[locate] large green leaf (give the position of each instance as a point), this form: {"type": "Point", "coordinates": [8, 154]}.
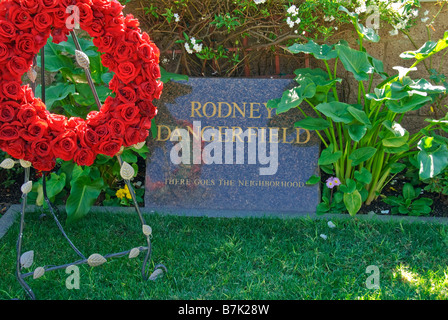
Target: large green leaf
{"type": "Point", "coordinates": [427, 49]}
{"type": "Point", "coordinates": [406, 104]}
{"type": "Point", "coordinates": [337, 111]}
{"type": "Point", "coordinates": [85, 97]}
{"type": "Point", "coordinates": [353, 202]}
{"type": "Point", "coordinates": [355, 61]}
{"type": "Point", "coordinates": [55, 93]}
{"type": "Point", "coordinates": [54, 60]}
{"type": "Point", "coordinates": [432, 157]}
{"type": "Point", "coordinates": [54, 185]}
{"type": "Point", "coordinates": [357, 131]}
{"type": "Point", "coordinates": [295, 96]}
{"type": "Point", "coordinates": [321, 52]}
{"type": "Point", "coordinates": [83, 194]}
{"type": "Point", "coordinates": [328, 156]}
{"type": "Point", "coordinates": [313, 123]}
{"type": "Point", "coordinates": [361, 155]}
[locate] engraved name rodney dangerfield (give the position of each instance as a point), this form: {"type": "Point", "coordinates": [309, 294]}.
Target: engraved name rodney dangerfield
{"type": "Point", "coordinates": [218, 150]}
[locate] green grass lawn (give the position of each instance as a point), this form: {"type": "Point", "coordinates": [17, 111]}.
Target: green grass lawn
{"type": "Point", "coordinates": [235, 258]}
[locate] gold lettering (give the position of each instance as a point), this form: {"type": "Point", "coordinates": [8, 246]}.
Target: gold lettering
{"type": "Point", "coordinates": [236, 106]}
{"type": "Point", "coordinates": [308, 136]}
{"type": "Point", "coordinates": [220, 109]}
{"type": "Point", "coordinates": [269, 110]}
{"type": "Point", "coordinates": [159, 132]}
{"type": "Point", "coordinates": [204, 109]}
{"type": "Point", "coordinates": [284, 136]}
{"type": "Point", "coordinates": [197, 109]}
{"type": "Point", "coordinates": [252, 109]}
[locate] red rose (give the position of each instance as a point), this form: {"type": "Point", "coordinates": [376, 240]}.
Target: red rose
{"type": "Point", "coordinates": [4, 52]}
{"type": "Point", "coordinates": [117, 127]}
{"type": "Point", "coordinates": [96, 118]}
{"type": "Point", "coordinates": [57, 122]}
{"type": "Point", "coordinates": [59, 35]}
{"type": "Point", "coordinates": [25, 43]}
{"type": "Point", "coordinates": [84, 157]}
{"type": "Point", "coordinates": [7, 31]}
{"type": "Point", "coordinates": [103, 132]}
{"type": "Point", "coordinates": [88, 138]}
{"type": "Point", "coordinates": [29, 5]}
{"type": "Point", "coordinates": [85, 14]}
{"type": "Point", "coordinates": [151, 71]}
{"type": "Point", "coordinates": [147, 108]}
{"type": "Point", "coordinates": [114, 24]}
{"type": "Point", "coordinates": [44, 164]}
{"type": "Point", "coordinates": [42, 21]}
{"type": "Point", "coordinates": [41, 147]}
{"type": "Point", "coordinates": [105, 43]}
{"type": "Point", "coordinates": [96, 28]}
{"type": "Point", "coordinates": [127, 94]}
{"type": "Point", "coordinates": [127, 71]}
{"type": "Point", "coordinates": [21, 19]}
{"type": "Point", "coordinates": [131, 22]}
{"type": "Point", "coordinates": [34, 131]}
{"type": "Point", "coordinates": [8, 111]}
{"type": "Point", "coordinates": [124, 51]}
{"type": "Point", "coordinates": [48, 4]}
{"type": "Point", "coordinates": [65, 145]}
{"type": "Point", "coordinates": [27, 114]}
{"type": "Point", "coordinates": [128, 112]}
{"type": "Point", "coordinates": [110, 147]}
{"type": "Point", "coordinates": [18, 66]}
{"type": "Point", "coordinates": [60, 18]}
{"type": "Point", "coordinates": [11, 89]}
{"type": "Point", "coordinates": [109, 61]}
{"type": "Point", "coordinates": [147, 90]}
{"type": "Point", "coordinates": [148, 53]}
{"type": "Point", "coordinates": [134, 135]}
{"type": "Point", "coordinates": [16, 148]}
{"type": "Point", "coordinates": [9, 132]}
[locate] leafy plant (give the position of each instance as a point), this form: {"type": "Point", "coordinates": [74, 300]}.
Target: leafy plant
{"type": "Point", "coordinates": [409, 203]}
{"type": "Point", "coordinates": [364, 140]}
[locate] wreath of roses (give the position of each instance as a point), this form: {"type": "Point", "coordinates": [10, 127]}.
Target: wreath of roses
{"type": "Point", "coordinates": [30, 132]}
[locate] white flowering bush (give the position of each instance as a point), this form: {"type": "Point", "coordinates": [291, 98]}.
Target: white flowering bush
{"type": "Point", "coordinates": [225, 37]}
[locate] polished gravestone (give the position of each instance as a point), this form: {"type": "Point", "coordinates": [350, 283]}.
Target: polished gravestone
{"type": "Point", "coordinates": [217, 150]}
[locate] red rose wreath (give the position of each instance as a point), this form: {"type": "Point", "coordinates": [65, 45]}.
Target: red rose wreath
{"type": "Point", "coordinates": [27, 130]}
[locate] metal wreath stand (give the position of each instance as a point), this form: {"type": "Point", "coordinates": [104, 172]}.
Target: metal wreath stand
{"type": "Point", "coordinates": [127, 172]}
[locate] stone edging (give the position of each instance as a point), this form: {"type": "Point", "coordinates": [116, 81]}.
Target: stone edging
{"type": "Point", "coordinates": [8, 219]}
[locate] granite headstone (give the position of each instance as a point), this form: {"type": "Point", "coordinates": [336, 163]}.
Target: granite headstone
{"type": "Point", "coordinates": [189, 170]}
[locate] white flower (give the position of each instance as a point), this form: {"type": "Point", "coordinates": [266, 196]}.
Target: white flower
{"type": "Point", "coordinates": [323, 236]}
{"type": "Point", "coordinates": [426, 12]}
{"type": "Point", "coordinates": [187, 47]}
{"type": "Point", "coordinates": [176, 17]}
{"type": "Point", "coordinates": [331, 224]}
{"type": "Point", "coordinates": [393, 32]}
{"type": "Point", "coordinates": [424, 19]}
{"type": "Point", "coordinates": [293, 10]}
{"type": "Point", "coordinates": [259, 1]}
{"type": "Point", "coordinates": [197, 47]}
{"type": "Point", "coordinates": [290, 22]}
{"type": "Point", "coordinates": [193, 40]}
